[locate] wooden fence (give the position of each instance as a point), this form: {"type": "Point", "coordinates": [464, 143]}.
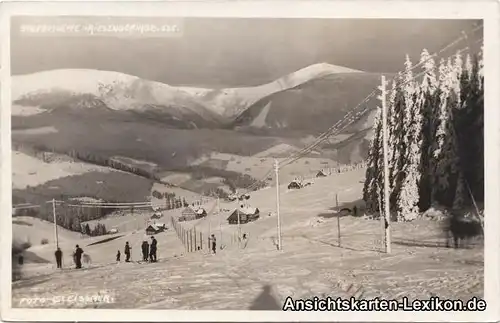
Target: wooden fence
{"type": "Point", "coordinates": [196, 240]}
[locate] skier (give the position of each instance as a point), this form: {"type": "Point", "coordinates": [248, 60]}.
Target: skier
{"type": "Point", "coordinates": [145, 250]}
{"type": "Point", "coordinates": [127, 252]}
{"type": "Point", "coordinates": [78, 257]}
{"type": "Point", "coordinates": [118, 254]}
{"type": "Point", "coordinates": [58, 255]}
{"type": "Point", "coordinates": [152, 250]}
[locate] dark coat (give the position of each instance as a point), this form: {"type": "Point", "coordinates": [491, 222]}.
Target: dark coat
{"type": "Point", "coordinates": [153, 244]}
{"type": "Point", "coordinates": [78, 253]}
{"type": "Point", "coordinates": [145, 248]}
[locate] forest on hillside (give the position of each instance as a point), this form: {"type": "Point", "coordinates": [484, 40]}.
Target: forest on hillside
{"type": "Point", "coordinates": [435, 138]}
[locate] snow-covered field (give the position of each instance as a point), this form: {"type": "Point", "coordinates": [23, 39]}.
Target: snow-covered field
{"type": "Point", "coordinates": [31, 171]}
{"type": "Point", "coordinates": [311, 263]}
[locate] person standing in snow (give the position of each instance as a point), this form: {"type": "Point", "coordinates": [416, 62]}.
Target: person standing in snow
{"type": "Point", "coordinates": [118, 254]}
{"type": "Point", "coordinates": [127, 252]}
{"type": "Point", "coordinates": [58, 255]}
{"type": "Point", "coordinates": [152, 250]}
{"type": "Point", "coordinates": [145, 250]}
{"type": "Point", "coordinates": [78, 257]}
{"type": "Point", "coordinates": [214, 243]}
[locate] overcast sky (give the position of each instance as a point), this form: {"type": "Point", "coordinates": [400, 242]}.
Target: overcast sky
{"type": "Point", "coordinates": [240, 52]}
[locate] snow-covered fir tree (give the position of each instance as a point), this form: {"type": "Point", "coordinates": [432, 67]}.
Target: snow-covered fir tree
{"type": "Point", "coordinates": [427, 102]}
{"type": "Point", "coordinates": [370, 190]}
{"type": "Point", "coordinates": [392, 125]}
{"type": "Point", "coordinates": [396, 134]}
{"type": "Point", "coordinates": [408, 196]}
{"type": "Point", "coordinates": [468, 67]}
{"type": "Point", "coordinates": [456, 97]}
{"type": "Point", "coordinates": [441, 159]}
{"type": "Point", "coordinates": [445, 155]}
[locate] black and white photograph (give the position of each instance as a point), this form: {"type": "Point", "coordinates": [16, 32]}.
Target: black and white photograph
{"type": "Point", "coordinates": [275, 164]}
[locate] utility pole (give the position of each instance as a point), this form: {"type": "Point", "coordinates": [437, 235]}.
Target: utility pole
{"type": "Point", "coordinates": [55, 222]}
{"type": "Point", "coordinates": [338, 216]}
{"type": "Point", "coordinates": [239, 215]}
{"type": "Point", "coordinates": [387, 217]}
{"type": "Point", "coordinates": [220, 221]}
{"type": "Point", "coordinates": [276, 170]}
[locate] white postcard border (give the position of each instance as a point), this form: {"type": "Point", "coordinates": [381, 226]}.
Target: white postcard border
{"type": "Point", "coordinates": [472, 9]}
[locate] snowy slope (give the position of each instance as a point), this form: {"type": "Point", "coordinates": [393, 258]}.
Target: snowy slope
{"type": "Point", "coordinates": [313, 261]}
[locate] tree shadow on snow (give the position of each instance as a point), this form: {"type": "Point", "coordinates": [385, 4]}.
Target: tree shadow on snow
{"type": "Point", "coordinates": [341, 246]}
{"type": "Point", "coordinates": [265, 301]}
{"type": "Point", "coordinates": [417, 243]}
{"type": "Point", "coordinates": [32, 281]}
{"type": "Point", "coordinates": [429, 244]}
{"type": "Point", "coordinates": [344, 209]}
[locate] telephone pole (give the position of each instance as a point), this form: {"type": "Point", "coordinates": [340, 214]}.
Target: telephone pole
{"type": "Point", "coordinates": [276, 170]}
{"type": "Point", "coordinates": [239, 215]}
{"type": "Point", "coordinates": [220, 221]}
{"type": "Point", "coordinates": [55, 222]}
{"type": "Point", "coordinates": [387, 217]}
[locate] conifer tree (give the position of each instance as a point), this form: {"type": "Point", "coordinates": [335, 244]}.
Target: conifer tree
{"type": "Point", "coordinates": [408, 196]}
{"type": "Point", "coordinates": [481, 68]}
{"type": "Point", "coordinates": [396, 144]}
{"type": "Point", "coordinates": [445, 149]}
{"type": "Point", "coordinates": [427, 102]}
{"type": "Point", "coordinates": [370, 192]}
{"type": "Point", "coordinates": [392, 125]}
{"type": "Point", "coordinates": [457, 92]}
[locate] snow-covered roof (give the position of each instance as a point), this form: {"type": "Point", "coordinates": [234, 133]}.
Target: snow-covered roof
{"type": "Point", "coordinates": [248, 210]}
{"type": "Point", "coordinates": [189, 209]}
{"type": "Point", "coordinates": [152, 226]}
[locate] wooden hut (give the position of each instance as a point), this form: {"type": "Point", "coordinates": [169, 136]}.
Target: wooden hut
{"type": "Point", "coordinates": [153, 229]}
{"type": "Point", "coordinates": [200, 213]}
{"type": "Point", "coordinates": [321, 173]}
{"type": "Point", "coordinates": [157, 215]}
{"type": "Point", "coordinates": [188, 214]}
{"type": "Point", "coordinates": [246, 214]}
{"type": "Point", "coordinates": [294, 185]}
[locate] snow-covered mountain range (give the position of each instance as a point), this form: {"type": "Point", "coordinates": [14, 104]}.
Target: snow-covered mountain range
{"type": "Point", "coordinates": [116, 91]}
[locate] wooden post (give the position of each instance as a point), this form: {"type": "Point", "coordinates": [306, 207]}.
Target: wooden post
{"type": "Point", "coordinates": [191, 240]}
{"type": "Point", "coordinates": [55, 223]}
{"type": "Point", "coordinates": [201, 241]}
{"type": "Point", "coordinates": [195, 242]}
{"type": "Point", "coordinates": [338, 216]}
{"type": "Point", "coordinates": [387, 218]}
{"type": "Point", "coordinates": [276, 170]}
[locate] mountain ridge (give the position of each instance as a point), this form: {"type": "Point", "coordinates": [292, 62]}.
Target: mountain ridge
{"type": "Point", "coordinates": [124, 92]}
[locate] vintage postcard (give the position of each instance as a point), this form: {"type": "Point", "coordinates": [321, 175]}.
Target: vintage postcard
{"type": "Point", "coordinates": [250, 161]}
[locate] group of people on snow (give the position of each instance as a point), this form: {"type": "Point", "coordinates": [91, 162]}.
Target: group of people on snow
{"type": "Point", "coordinates": [148, 251]}
{"type": "Point", "coordinates": [77, 257]}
